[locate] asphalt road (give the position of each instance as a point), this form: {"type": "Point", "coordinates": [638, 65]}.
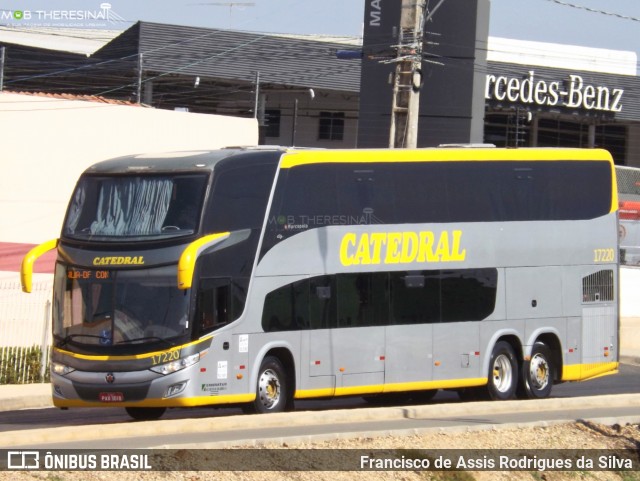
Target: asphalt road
{"type": "Point", "coordinates": [33, 422]}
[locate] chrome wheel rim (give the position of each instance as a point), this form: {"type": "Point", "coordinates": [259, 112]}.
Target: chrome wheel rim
{"type": "Point", "coordinates": [539, 372]}
{"type": "Point", "coordinates": [269, 389]}
{"type": "Point", "coordinates": [502, 373]}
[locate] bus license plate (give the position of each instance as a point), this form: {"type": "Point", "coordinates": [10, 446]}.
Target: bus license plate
{"type": "Point", "coordinates": [111, 397]}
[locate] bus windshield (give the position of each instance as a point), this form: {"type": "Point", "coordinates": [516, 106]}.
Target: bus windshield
{"type": "Point", "coordinates": [135, 207]}
{"type": "Point", "coordinates": [118, 308]}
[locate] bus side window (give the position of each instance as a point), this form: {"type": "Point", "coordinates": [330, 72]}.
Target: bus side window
{"type": "Point", "coordinates": [287, 308]}
{"type": "Point", "coordinates": [363, 299]}
{"type": "Point", "coordinates": [415, 297]}
{"type": "Point", "coordinates": [322, 302]}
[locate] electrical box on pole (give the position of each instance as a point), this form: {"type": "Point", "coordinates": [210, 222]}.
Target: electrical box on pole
{"type": "Point", "coordinates": [406, 83]}
{"type": "Point", "coordinates": [405, 109]}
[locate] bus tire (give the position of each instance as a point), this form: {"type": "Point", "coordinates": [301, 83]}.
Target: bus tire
{"type": "Point", "coordinates": [503, 372]}
{"type": "Point", "coordinates": [145, 414]}
{"type": "Point", "coordinates": [537, 373]}
{"type": "Point", "coordinates": [272, 389]}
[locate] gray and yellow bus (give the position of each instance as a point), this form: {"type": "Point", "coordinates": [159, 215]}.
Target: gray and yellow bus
{"type": "Point", "coordinates": [260, 276]}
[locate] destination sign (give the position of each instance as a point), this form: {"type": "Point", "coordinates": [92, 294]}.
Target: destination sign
{"type": "Point", "coordinates": [86, 274]}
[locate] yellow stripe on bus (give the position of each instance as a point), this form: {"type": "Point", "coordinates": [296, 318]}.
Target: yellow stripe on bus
{"type": "Point", "coordinates": [305, 157]}
{"type": "Point", "coordinates": [387, 388]}
{"type": "Point", "coordinates": [177, 402]}
{"type": "Point", "coordinates": [187, 262]}
{"type": "Point", "coordinates": [90, 357]}
{"type": "Point", "coordinates": [583, 372]}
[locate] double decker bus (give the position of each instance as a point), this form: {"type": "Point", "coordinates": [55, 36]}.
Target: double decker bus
{"type": "Point", "coordinates": [260, 276]}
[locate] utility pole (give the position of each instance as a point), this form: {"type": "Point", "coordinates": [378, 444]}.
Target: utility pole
{"type": "Point", "coordinates": [1, 68]}
{"type": "Point", "coordinates": [256, 98]}
{"type": "Point", "coordinates": [139, 86]}
{"type": "Point", "coordinates": [407, 81]}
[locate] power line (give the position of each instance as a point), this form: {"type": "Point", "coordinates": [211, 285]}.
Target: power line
{"type": "Point", "coordinates": [594, 10]}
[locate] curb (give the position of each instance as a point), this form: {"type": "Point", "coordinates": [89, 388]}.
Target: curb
{"type": "Point", "coordinates": [25, 396]}
{"type": "Point", "coordinates": [634, 360]}
{"type": "Point", "coordinates": [305, 418]}
{"type": "Point", "coordinates": [289, 441]}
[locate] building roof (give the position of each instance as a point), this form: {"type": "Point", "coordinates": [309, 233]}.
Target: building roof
{"type": "Point", "coordinates": [77, 97]}
{"type": "Point", "coordinates": [236, 56]}
{"type": "Point", "coordinates": [176, 58]}
{"type": "Point", "coordinates": [570, 57]}
{"type": "Point", "coordinates": [72, 40]}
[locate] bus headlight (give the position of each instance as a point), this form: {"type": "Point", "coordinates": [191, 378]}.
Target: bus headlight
{"type": "Point", "coordinates": [177, 365]}
{"type": "Point", "coordinates": [61, 369]}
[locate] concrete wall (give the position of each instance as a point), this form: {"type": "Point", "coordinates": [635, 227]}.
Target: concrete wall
{"type": "Point", "coordinates": [47, 142]}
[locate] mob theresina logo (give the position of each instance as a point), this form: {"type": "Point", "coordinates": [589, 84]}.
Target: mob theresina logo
{"type": "Point", "coordinates": [98, 17]}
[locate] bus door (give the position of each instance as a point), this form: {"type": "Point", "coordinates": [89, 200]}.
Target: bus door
{"type": "Point", "coordinates": [317, 340]}
{"type": "Point", "coordinates": [358, 340]}
{"type": "Point", "coordinates": [217, 305]}
{"type": "Point", "coordinates": [409, 337]}
{"type": "Point", "coordinates": [464, 297]}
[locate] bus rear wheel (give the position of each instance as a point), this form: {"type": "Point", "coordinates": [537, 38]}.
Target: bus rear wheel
{"type": "Point", "coordinates": [272, 390]}
{"type": "Point", "coordinates": [503, 372]}
{"type": "Point", "coordinates": [537, 373]}
{"type": "Point", "coordinates": [145, 414]}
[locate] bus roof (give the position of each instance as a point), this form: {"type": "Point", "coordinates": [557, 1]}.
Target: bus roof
{"type": "Point", "coordinates": [189, 161]}
{"type": "Point", "coordinates": [180, 161]}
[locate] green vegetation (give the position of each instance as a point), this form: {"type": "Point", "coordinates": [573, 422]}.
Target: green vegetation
{"type": "Point", "coordinates": [22, 365]}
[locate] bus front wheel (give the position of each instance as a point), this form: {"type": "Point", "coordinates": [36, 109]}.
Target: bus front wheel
{"type": "Point", "coordinates": [537, 373]}
{"type": "Point", "coordinates": [272, 389]}
{"type": "Point", "coordinates": [503, 372]}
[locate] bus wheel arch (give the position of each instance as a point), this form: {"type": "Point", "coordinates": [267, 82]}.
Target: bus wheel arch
{"type": "Point", "coordinates": [275, 383]}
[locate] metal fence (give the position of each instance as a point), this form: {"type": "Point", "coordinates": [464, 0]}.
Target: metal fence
{"type": "Point", "coordinates": [25, 339]}
{"type": "Point", "coordinates": [629, 214]}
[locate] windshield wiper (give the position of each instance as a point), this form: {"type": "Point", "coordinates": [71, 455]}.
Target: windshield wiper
{"type": "Point", "coordinates": [71, 337]}
{"type": "Point", "coordinates": [148, 338]}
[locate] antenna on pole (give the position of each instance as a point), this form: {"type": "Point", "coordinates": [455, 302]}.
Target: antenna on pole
{"type": "Point", "coordinates": [231, 6]}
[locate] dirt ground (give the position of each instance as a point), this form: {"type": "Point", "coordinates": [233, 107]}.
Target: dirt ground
{"type": "Point", "coordinates": [579, 435]}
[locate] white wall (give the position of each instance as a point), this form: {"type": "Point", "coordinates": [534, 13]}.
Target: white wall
{"type": "Point", "coordinates": [47, 142]}
{"type": "Point", "coordinates": [629, 289]}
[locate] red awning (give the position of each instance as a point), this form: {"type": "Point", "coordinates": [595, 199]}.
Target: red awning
{"type": "Point", "coordinates": [11, 255]}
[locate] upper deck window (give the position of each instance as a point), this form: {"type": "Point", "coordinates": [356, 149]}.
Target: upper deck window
{"type": "Point", "coordinates": [135, 207]}
{"type": "Point", "coordinates": [343, 193]}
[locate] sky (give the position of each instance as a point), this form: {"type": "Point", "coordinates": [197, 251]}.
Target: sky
{"type": "Point", "coordinates": [557, 21]}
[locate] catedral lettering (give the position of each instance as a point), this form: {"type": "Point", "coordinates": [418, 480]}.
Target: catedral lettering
{"type": "Point", "coordinates": [573, 93]}
{"type": "Point", "coordinates": [401, 247]}
{"type": "Point", "coordinates": [119, 261]}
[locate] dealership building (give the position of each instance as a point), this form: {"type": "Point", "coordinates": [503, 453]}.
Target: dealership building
{"type": "Point", "coordinates": [303, 92]}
